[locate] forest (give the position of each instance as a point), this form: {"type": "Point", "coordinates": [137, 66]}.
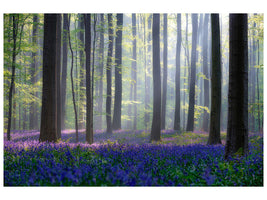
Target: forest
{"type": "Point", "coordinates": [133, 99]}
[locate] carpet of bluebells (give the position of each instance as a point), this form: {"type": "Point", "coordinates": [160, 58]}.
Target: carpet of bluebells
{"type": "Point", "coordinates": [126, 158]}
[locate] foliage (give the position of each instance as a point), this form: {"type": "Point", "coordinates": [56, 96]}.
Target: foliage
{"type": "Point", "coordinates": [116, 163]}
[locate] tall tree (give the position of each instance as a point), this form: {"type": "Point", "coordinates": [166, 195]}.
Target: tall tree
{"type": "Point", "coordinates": [108, 74]}
{"type": "Point", "coordinates": [33, 106]}
{"type": "Point", "coordinates": [156, 122]}
{"type": "Point", "coordinates": [133, 92]}
{"type": "Point", "coordinates": [205, 123]}
{"type": "Point", "coordinates": [72, 83]}
{"type": "Point", "coordinates": [177, 124]}
{"type": "Point", "coordinates": [58, 68]}
{"type": "Point", "coordinates": [237, 128]}
{"type": "Point", "coordinates": [118, 74]}
{"type": "Point", "coordinates": [89, 114]}
{"type": "Point", "coordinates": [191, 109]}
{"type": "Point", "coordinates": [82, 71]}
{"type": "Point", "coordinates": [215, 121]}
{"type": "Point", "coordinates": [64, 70]}
{"type": "Point", "coordinates": [48, 130]}
{"type": "Point", "coordinates": [148, 70]}
{"type": "Point", "coordinates": [101, 68]}
{"type": "Point", "coordinates": [165, 70]}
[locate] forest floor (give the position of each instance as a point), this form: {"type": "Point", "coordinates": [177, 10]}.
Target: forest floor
{"type": "Point", "coordinates": [126, 158]}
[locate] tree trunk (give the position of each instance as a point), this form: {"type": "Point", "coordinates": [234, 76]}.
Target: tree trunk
{"type": "Point", "coordinates": [177, 125]}
{"type": "Point", "coordinates": [82, 72]}
{"type": "Point", "coordinates": [215, 121]}
{"type": "Point", "coordinates": [108, 74]}
{"type": "Point", "coordinates": [64, 71]}
{"type": "Point", "coordinates": [58, 64]}
{"type": "Point", "coordinates": [72, 84]}
{"type": "Point", "coordinates": [156, 122]}
{"type": "Point", "coordinates": [89, 115]}
{"type": "Point", "coordinates": [165, 70]}
{"type": "Point", "coordinates": [101, 68]}
{"type": "Point", "coordinates": [205, 124]}
{"type": "Point", "coordinates": [148, 79]}
{"type": "Point", "coordinates": [191, 109]}
{"type": "Point", "coordinates": [48, 130]}
{"type": "Point", "coordinates": [33, 106]}
{"type": "Point", "coordinates": [237, 128]}
{"type": "Point", "coordinates": [118, 74]}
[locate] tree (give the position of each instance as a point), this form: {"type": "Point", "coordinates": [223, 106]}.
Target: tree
{"type": "Point", "coordinates": [72, 84]}
{"type": "Point", "coordinates": [237, 128]}
{"type": "Point", "coordinates": [48, 130]}
{"type": "Point", "coordinates": [89, 106]}
{"type": "Point", "coordinates": [64, 70]}
{"type": "Point", "coordinates": [215, 121]}
{"type": "Point", "coordinates": [58, 68]}
{"type": "Point", "coordinates": [156, 121]}
{"type": "Point", "coordinates": [205, 123]}
{"type": "Point", "coordinates": [191, 109]}
{"type": "Point", "coordinates": [108, 74]}
{"type": "Point", "coordinates": [118, 74]}
{"type": "Point", "coordinates": [165, 70]}
{"type": "Point", "coordinates": [33, 106]}
{"type": "Point", "coordinates": [177, 125]}
{"type": "Point", "coordinates": [133, 91]}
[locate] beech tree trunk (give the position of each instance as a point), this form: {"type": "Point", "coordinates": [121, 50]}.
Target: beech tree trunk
{"type": "Point", "coordinates": [108, 74]}
{"type": "Point", "coordinates": [33, 106]}
{"type": "Point", "coordinates": [237, 128]}
{"type": "Point", "coordinates": [48, 130]}
{"type": "Point", "coordinates": [165, 71]}
{"type": "Point", "coordinates": [215, 121]}
{"type": "Point", "coordinates": [118, 74]}
{"type": "Point", "coordinates": [191, 109]}
{"type": "Point", "coordinates": [89, 114]}
{"type": "Point", "coordinates": [156, 122]}
{"type": "Point", "coordinates": [177, 125]}
{"type": "Point", "coordinates": [64, 70]}
{"type": "Point", "coordinates": [205, 124]}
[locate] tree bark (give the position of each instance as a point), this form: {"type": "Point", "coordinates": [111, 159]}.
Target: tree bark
{"type": "Point", "coordinates": [33, 106]}
{"type": "Point", "coordinates": [237, 128]}
{"type": "Point", "coordinates": [89, 115]}
{"type": "Point", "coordinates": [177, 125]}
{"type": "Point", "coordinates": [191, 109]}
{"type": "Point", "coordinates": [215, 121]}
{"type": "Point", "coordinates": [165, 70]}
{"type": "Point", "coordinates": [48, 130]}
{"type": "Point", "coordinates": [205, 124]}
{"type": "Point", "coordinates": [108, 74]}
{"type": "Point", "coordinates": [156, 122]}
{"type": "Point", "coordinates": [118, 74]}
{"type": "Point", "coordinates": [64, 71]}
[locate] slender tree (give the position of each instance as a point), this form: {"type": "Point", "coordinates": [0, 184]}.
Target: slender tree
{"type": "Point", "coordinates": [156, 122]}
{"type": "Point", "coordinates": [89, 114]}
{"type": "Point", "coordinates": [215, 121]}
{"type": "Point", "coordinates": [118, 74]}
{"type": "Point", "coordinates": [205, 123]}
{"type": "Point", "coordinates": [33, 106]}
{"type": "Point", "coordinates": [72, 83]}
{"type": "Point", "coordinates": [108, 74]}
{"type": "Point", "coordinates": [82, 71]}
{"type": "Point", "coordinates": [177, 124]}
{"type": "Point", "coordinates": [191, 109]}
{"type": "Point", "coordinates": [237, 128]}
{"type": "Point", "coordinates": [58, 64]}
{"type": "Point", "coordinates": [64, 70]}
{"type": "Point", "coordinates": [48, 130]}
